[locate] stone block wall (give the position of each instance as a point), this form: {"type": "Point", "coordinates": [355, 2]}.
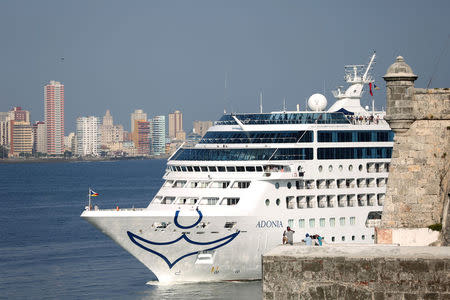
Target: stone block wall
{"type": "Point", "coordinates": [419, 177]}
{"type": "Point", "coordinates": [356, 272]}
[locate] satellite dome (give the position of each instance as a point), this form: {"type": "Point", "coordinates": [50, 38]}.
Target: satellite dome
{"type": "Point", "coordinates": [317, 102]}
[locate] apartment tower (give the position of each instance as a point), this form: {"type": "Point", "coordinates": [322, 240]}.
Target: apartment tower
{"type": "Point", "coordinates": [54, 117]}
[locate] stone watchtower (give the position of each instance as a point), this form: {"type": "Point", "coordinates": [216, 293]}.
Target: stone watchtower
{"type": "Point", "coordinates": [418, 186]}
{"type": "Point", "coordinates": [399, 95]}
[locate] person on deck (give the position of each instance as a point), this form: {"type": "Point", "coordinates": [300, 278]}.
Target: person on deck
{"type": "Point", "coordinates": [308, 240]}
{"type": "Point", "coordinates": [290, 235]}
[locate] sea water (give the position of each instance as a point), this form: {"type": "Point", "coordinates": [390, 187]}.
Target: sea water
{"type": "Point", "coordinates": [48, 251]}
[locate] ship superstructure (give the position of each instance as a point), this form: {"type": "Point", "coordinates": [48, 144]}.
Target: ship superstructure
{"type": "Point", "coordinates": [228, 199]}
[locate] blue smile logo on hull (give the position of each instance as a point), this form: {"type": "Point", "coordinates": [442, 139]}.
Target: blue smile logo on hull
{"type": "Point", "coordinates": [202, 246]}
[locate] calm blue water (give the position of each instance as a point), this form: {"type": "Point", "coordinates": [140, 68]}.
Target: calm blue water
{"type": "Point", "coordinates": [48, 251]}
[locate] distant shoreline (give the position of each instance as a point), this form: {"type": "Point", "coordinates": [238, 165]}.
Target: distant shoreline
{"type": "Point", "coordinates": [61, 159]}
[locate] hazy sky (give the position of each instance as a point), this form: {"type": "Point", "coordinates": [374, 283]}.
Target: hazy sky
{"type": "Point", "coordinates": [165, 55]}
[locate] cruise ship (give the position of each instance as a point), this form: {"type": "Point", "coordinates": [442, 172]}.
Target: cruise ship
{"type": "Point", "coordinates": [228, 199]}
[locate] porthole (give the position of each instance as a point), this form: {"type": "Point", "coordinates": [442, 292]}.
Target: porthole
{"type": "Point", "coordinates": [320, 168]}
{"type": "Point", "coordinates": [340, 167]}
{"type": "Point", "coordinates": [360, 168]}
{"type": "Point", "coordinates": [353, 237]}
{"type": "Point", "coordinates": [267, 202]}
{"type": "Point", "coordinates": [289, 185]}
{"type": "Point", "coordinates": [277, 185]}
{"type": "Point", "coordinates": [330, 168]}
{"type": "Point", "coordinates": [343, 238]}
{"type": "Point", "coordinates": [363, 237]}
{"type": "Point", "coordinates": [332, 239]}
{"type": "Point", "coordinates": [278, 202]}
{"type": "Point", "coordinates": [373, 236]}
{"type": "Point", "coordinates": [350, 167]}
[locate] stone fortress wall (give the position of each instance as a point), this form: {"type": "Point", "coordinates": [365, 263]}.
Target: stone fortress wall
{"type": "Point", "coordinates": [418, 186]}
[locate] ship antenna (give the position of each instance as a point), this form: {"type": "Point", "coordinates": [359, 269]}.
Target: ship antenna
{"type": "Point", "coordinates": [284, 104]}
{"type": "Point", "coordinates": [369, 66]}
{"type": "Point", "coordinates": [260, 102]}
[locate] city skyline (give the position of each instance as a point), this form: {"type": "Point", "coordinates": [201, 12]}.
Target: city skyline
{"type": "Point", "coordinates": [204, 57]}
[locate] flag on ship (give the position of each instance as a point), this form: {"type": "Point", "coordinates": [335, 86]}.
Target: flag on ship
{"type": "Point", "coordinates": [370, 89]}
{"type": "Point", "coordinates": [376, 87]}
{"type": "Point", "coordinates": [92, 193]}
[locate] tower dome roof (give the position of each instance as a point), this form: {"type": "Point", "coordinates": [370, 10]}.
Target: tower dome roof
{"type": "Point", "coordinates": [399, 70]}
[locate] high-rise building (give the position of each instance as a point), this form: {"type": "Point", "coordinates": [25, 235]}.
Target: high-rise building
{"type": "Point", "coordinates": [110, 133]}
{"type": "Point", "coordinates": [40, 137]}
{"type": "Point", "coordinates": [54, 117]}
{"type": "Point", "coordinates": [201, 127]}
{"type": "Point", "coordinates": [142, 137]}
{"type": "Point", "coordinates": [5, 130]}
{"type": "Point", "coordinates": [88, 136]}
{"type": "Point", "coordinates": [159, 135]}
{"type": "Point", "coordinates": [176, 126]}
{"type": "Point", "coordinates": [137, 115]}
{"type": "Point", "coordinates": [21, 138]}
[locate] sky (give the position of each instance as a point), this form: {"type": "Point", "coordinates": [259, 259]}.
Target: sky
{"type": "Point", "coordinates": [167, 55]}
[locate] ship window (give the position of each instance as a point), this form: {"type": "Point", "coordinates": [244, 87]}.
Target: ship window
{"type": "Point", "coordinates": [340, 167]}
{"type": "Point", "coordinates": [212, 169]}
{"type": "Point", "coordinates": [312, 223]}
{"type": "Point", "coordinates": [179, 183]}
{"type": "Point", "coordinates": [259, 169]}
{"type": "Point", "coordinates": [267, 202]}
{"type": "Point", "coordinates": [277, 185]}
{"type": "Point", "coordinates": [240, 169]}
{"type": "Point", "coordinates": [277, 202]}
{"type": "Point", "coordinates": [301, 223]}
{"type": "Point", "coordinates": [332, 222]}
{"type": "Point", "coordinates": [220, 184]}
{"type": "Point", "coordinates": [322, 222]}
{"type": "Point", "coordinates": [343, 238]}
{"type": "Point", "coordinates": [168, 200]}
{"type": "Point", "coordinates": [352, 220]}
{"type": "Point", "coordinates": [363, 237]}
{"type": "Point", "coordinates": [229, 201]}
{"type": "Point", "coordinates": [196, 168]}
{"type": "Point", "coordinates": [204, 169]}
{"type": "Point", "coordinates": [187, 201]}
{"type": "Point", "coordinates": [229, 225]}
{"type": "Point", "coordinates": [156, 200]}
{"type": "Point", "coordinates": [290, 202]}
{"type": "Point", "coordinates": [189, 168]}
{"type": "Point", "coordinates": [231, 169]}
{"type": "Point", "coordinates": [342, 221]}
{"type": "Point", "coordinates": [320, 168]}
{"type": "Point", "coordinates": [168, 183]}
{"type": "Point", "coordinates": [178, 168]}
{"type": "Point", "coordinates": [289, 185]}
{"type": "Point", "coordinates": [250, 169]}
{"type": "Point", "coordinates": [373, 236]}
{"type": "Point", "coordinates": [209, 201]}
{"type": "Point", "coordinates": [330, 168]}
{"type": "Point", "coordinates": [221, 169]}
{"type": "Point", "coordinates": [183, 168]}
{"type": "Point", "coordinates": [332, 239]}
{"type": "Point", "coordinates": [360, 168]}
{"type": "Point", "coordinates": [291, 223]}
{"type": "Point", "coordinates": [350, 168]}
{"type": "Point", "coordinates": [241, 184]}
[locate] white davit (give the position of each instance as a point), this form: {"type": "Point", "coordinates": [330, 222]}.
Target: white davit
{"type": "Point", "coordinates": [229, 198]}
